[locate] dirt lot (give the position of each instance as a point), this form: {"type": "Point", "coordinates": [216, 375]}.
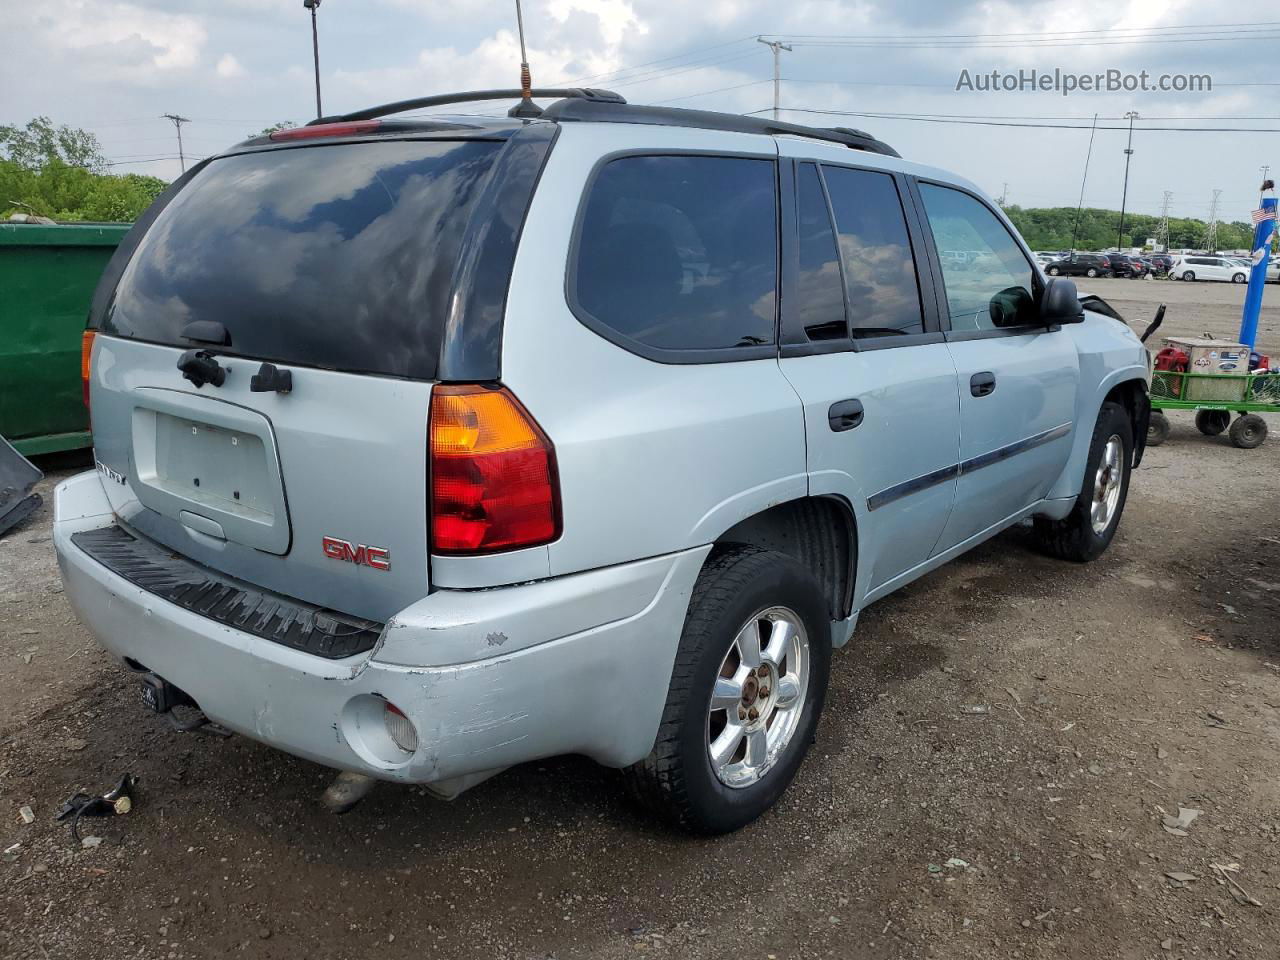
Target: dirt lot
{"type": "Point", "coordinates": [1117, 692]}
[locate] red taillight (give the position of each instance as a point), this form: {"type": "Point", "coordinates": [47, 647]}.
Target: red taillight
{"type": "Point", "coordinates": [493, 473]}
{"type": "Point", "coordinates": [86, 356]}
{"type": "Point", "coordinates": [349, 129]}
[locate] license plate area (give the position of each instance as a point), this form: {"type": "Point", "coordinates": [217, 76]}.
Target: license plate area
{"type": "Point", "coordinates": [212, 466]}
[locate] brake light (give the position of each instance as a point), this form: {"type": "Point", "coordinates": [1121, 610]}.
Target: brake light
{"type": "Point", "coordinates": [86, 355]}
{"type": "Point", "coordinates": [493, 473]}
{"type": "Point", "coordinates": [348, 129]}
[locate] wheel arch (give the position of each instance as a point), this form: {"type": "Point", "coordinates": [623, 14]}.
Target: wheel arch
{"type": "Point", "coordinates": [819, 532]}
{"type": "Point", "coordinates": [1126, 386]}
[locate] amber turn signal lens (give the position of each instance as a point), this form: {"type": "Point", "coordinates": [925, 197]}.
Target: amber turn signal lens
{"type": "Point", "coordinates": [86, 356]}
{"type": "Point", "coordinates": [493, 473]}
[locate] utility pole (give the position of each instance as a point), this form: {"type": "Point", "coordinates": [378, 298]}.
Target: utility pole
{"type": "Point", "coordinates": [777, 46]}
{"type": "Point", "coordinates": [1265, 168]}
{"type": "Point", "coordinates": [313, 6]}
{"type": "Point", "coordinates": [1163, 235]}
{"type": "Point", "coordinates": [1004, 194]}
{"type": "Point", "coordinates": [1131, 116]}
{"type": "Point", "coordinates": [1211, 231]}
{"type": "Point", "coordinates": [177, 125]}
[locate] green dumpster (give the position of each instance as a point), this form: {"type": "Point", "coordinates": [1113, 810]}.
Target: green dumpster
{"type": "Point", "coordinates": [47, 276]}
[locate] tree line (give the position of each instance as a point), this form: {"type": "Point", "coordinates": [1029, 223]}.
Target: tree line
{"type": "Point", "coordinates": [60, 172]}
{"type": "Point", "coordinates": [1050, 228]}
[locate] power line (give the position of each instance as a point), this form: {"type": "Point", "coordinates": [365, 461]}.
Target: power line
{"type": "Point", "coordinates": [992, 123]}
{"type": "Point", "coordinates": [1032, 33]}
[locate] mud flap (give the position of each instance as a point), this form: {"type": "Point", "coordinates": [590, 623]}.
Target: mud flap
{"type": "Point", "coordinates": [17, 476]}
{"type": "Point", "coordinates": [1141, 421]}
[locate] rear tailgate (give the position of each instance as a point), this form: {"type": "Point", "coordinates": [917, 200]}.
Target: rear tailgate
{"type": "Point", "coordinates": [333, 262]}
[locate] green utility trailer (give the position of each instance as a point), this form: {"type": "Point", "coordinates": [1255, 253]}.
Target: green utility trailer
{"type": "Point", "coordinates": [47, 276]}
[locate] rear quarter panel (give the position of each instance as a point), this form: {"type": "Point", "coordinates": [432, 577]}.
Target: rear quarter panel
{"type": "Point", "coordinates": [653, 457]}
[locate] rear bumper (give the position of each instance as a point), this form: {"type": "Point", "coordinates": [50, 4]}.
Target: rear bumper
{"type": "Point", "coordinates": [489, 678]}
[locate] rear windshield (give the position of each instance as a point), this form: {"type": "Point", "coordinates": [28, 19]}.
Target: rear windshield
{"type": "Point", "coordinates": [338, 256]}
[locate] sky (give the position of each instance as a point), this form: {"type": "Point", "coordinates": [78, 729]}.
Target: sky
{"type": "Point", "coordinates": [236, 66]}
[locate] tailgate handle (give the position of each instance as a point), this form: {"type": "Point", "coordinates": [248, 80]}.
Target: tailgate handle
{"type": "Point", "coordinates": [271, 378]}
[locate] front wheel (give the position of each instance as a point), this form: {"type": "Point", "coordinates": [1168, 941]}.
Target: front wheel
{"type": "Point", "coordinates": [1157, 429]}
{"type": "Point", "coordinates": [747, 689]}
{"type": "Point", "coordinates": [1189, 276]}
{"type": "Point", "coordinates": [1237, 278]}
{"type": "Point", "coordinates": [1088, 529]}
{"type": "Point", "coordinates": [1091, 272]}
{"type": "Point", "coordinates": [1053, 271]}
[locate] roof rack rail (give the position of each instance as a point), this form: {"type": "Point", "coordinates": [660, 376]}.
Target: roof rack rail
{"type": "Point", "coordinates": [470, 96]}
{"type": "Point", "coordinates": [606, 111]}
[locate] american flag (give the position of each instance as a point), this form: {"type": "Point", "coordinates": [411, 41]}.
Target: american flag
{"type": "Point", "coordinates": [1264, 213]}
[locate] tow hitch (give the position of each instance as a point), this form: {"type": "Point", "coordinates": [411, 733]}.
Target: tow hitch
{"type": "Point", "coordinates": [163, 697]}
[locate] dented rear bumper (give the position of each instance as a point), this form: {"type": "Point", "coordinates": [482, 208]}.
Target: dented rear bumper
{"type": "Point", "coordinates": [489, 678]}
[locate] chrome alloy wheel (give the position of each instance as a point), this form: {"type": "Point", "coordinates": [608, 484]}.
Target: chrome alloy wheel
{"type": "Point", "coordinates": [1106, 485]}
{"type": "Point", "coordinates": [759, 696]}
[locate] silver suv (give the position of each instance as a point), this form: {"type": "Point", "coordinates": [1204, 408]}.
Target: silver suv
{"type": "Point", "coordinates": [426, 448]}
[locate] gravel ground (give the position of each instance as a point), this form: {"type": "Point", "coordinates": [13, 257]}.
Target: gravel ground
{"type": "Point", "coordinates": [1117, 693]}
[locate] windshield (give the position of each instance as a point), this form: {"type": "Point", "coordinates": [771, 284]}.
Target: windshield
{"type": "Point", "coordinates": [339, 256]}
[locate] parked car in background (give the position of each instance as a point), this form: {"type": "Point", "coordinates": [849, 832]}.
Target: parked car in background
{"type": "Point", "coordinates": [564, 473]}
{"type": "Point", "coordinates": [1123, 265]}
{"type": "Point", "coordinates": [1160, 263]}
{"type": "Point", "coordinates": [1081, 265]}
{"type": "Point", "coordinates": [1209, 268]}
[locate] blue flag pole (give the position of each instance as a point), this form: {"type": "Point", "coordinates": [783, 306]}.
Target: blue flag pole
{"type": "Point", "coordinates": [1265, 216]}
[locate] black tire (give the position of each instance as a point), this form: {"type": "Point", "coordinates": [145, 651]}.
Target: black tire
{"type": "Point", "coordinates": [1074, 538]}
{"type": "Point", "coordinates": [1157, 429]}
{"type": "Point", "coordinates": [676, 781]}
{"type": "Point", "coordinates": [1237, 278]}
{"type": "Point", "coordinates": [1189, 276]}
{"type": "Point", "coordinates": [1053, 271]}
{"type": "Point", "coordinates": [1091, 272]}
{"type": "Point", "coordinates": [1248, 431]}
{"type": "Point", "coordinates": [1212, 422]}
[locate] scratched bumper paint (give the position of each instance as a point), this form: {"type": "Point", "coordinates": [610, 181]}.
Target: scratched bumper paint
{"type": "Point", "coordinates": [489, 678]}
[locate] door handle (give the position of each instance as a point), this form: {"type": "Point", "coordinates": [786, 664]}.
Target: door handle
{"type": "Point", "coordinates": [845, 415]}
{"type": "Point", "coordinates": [982, 384]}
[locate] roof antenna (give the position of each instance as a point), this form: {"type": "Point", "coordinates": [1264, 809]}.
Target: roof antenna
{"type": "Point", "coordinates": [526, 109]}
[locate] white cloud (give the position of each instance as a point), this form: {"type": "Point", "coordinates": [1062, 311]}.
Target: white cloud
{"type": "Point", "coordinates": [229, 67]}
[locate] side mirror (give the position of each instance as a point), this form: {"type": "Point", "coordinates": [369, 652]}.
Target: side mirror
{"type": "Point", "coordinates": [1060, 303]}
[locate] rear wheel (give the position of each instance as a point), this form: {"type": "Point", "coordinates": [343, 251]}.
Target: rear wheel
{"type": "Point", "coordinates": [1157, 429]}
{"type": "Point", "coordinates": [1088, 529]}
{"type": "Point", "coordinates": [1212, 422]}
{"type": "Point", "coordinates": [746, 693]}
{"type": "Point", "coordinates": [1091, 272]}
{"type": "Point", "coordinates": [1237, 278]}
{"type": "Point", "coordinates": [1053, 271]}
{"type": "Point", "coordinates": [1248, 431]}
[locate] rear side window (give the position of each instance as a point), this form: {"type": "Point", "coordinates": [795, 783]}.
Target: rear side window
{"type": "Point", "coordinates": [680, 252]}
{"type": "Point", "coordinates": [879, 269]}
{"type": "Point", "coordinates": [339, 256]}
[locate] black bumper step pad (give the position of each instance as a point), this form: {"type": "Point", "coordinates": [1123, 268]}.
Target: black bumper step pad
{"type": "Point", "coordinates": [282, 620]}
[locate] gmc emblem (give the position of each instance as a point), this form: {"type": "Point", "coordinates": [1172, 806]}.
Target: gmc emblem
{"type": "Point", "coordinates": [377, 557]}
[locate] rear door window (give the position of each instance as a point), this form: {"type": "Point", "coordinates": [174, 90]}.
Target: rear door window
{"type": "Point", "coordinates": [879, 266]}
{"type": "Point", "coordinates": [680, 253]}
{"type": "Point", "coordinates": [339, 256]}
{"type": "Point", "coordinates": [820, 289]}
